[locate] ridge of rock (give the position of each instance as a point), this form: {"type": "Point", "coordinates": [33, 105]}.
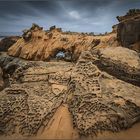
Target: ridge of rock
{"type": "Point", "coordinates": [37, 44]}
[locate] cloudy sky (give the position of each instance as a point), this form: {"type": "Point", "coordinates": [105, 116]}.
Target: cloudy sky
{"type": "Point", "coordinates": [74, 15]}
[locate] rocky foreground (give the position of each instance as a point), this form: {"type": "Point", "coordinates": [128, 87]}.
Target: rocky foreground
{"type": "Point", "coordinates": [96, 90]}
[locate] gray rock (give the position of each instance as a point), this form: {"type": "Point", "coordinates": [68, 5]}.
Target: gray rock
{"type": "Point", "coordinates": [128, 30]}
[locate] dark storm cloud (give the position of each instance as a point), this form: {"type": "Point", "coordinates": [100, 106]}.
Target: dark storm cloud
{"type": "Point", "coordinates": [75, 15]}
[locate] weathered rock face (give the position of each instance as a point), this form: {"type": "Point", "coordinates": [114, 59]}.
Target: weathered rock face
{"type": "Point", "coordinates": [98, 105]}
{"type": "Point", "coordinates": [11, 65]}
{"type": "Point", "coordinates": [97, 101]}
{"type": "Point", "coordinates": [101, 90]}
{"type": "Point", "coordinates": [128, 31]}
{"type": "Point", "coordinates": [7, 42]}
{"type": "Point", "coordinates": [120, 62]}
{"type": "Point", "coordinates": [37, 44]}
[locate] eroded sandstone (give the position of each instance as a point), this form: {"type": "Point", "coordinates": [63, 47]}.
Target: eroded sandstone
{"type": "Point", "coordinates": [31, 100]}
{"type": "Point", "coordinates": [98, 93]}
{"type": "Point", "coordinates": [37, 44]}
{"type": "Point", "coordinates": [96, 108]}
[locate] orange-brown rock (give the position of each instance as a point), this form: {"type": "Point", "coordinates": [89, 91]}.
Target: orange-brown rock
{"type": "Point", "coordinates": [99, 94]}
{"type": "Point", "coordinates": [45, 98]}
{"type": "Point", "coordinates": [37, 44]}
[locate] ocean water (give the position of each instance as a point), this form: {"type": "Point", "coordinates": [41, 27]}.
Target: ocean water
{"type": "Point", "coordinates": [7, 34]}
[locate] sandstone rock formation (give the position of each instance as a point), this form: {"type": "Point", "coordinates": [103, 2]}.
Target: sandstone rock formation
{"type": "Point", "coordinates": [7, 42]}
{"type": "Point", "coordinates": [97, 101]}
{"type": "Point", "coordinates": [120, 62]}
{"type": "Point", "coordinates": [97, 106]}
{"type": "Point", "coordinates": [128, 32]}
{"type": "Point", "coordinates": [32, 98]}
{"type": "Point", "coordinates": [37, 44]}
{"type": "Point", "coordinates": [132, 13]}
{"type": "Point", "coordinates": [98, 93]}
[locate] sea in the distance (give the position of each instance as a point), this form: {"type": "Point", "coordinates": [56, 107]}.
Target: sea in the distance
{"type": "Point", "coordinates": [1, 38]}
{"type": "Point", "coordinates": [7, 34]}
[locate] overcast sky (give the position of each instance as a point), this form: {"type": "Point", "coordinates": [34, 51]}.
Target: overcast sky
{"type": "Point", "coordinates": [73, 15]}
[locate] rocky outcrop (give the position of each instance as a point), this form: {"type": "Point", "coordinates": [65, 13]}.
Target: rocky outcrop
{"type": "Point", "coordinates": [9, 64]}
{"type": "Point", "coordinates": [13, 68]}
{"type": "Point", "coordinates": [97, 101]}
{"type": "Point", "coordinates": [120, 62]}
{"type": "Point", "coordinates": [98, 105]}
{"type": "Point", "coordinates": [130, 14]}
{"type": "Point", "coordinates": [128, 31]}
{"type": "Point", "coordinates": [27, 34]}
{"type": "Point", "coordinates": [114, 28]}
{"type": "Point", "coordinates": [98, 93]}
{"type": "Point", "coordinates": [30, 101]}
{"type": "Point", "coordinates": [7, 42]}
{"type": "Point", "coordinates": [37, 44]}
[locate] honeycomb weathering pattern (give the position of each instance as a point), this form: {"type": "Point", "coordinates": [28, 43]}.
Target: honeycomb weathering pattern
{"type": "Point", "coordinates": [27, 107]}
{"type": "Point", "coordinates": [25, 114]}
{"type": "Point", "coordinates": [90, 110]}
{"type": "Point", "coordinates": [29, 103]}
